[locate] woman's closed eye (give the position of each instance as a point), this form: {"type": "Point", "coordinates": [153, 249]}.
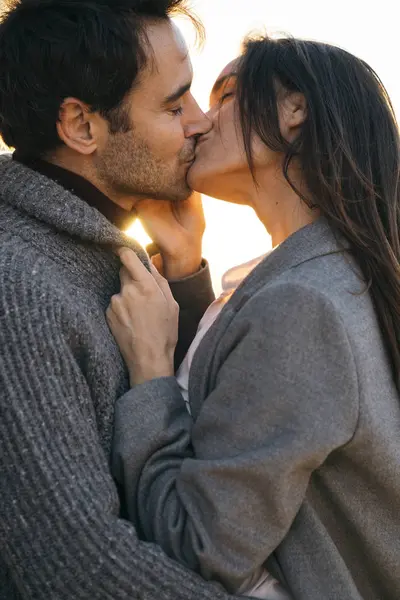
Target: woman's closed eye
{"type": "Point", "coordinates": [225, 97]}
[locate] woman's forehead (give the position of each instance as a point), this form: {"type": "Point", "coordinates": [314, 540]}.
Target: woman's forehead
{"type": "Point", "coordinates": [229, 69]}
{"type": "Point", "coordinates": [222, 78]}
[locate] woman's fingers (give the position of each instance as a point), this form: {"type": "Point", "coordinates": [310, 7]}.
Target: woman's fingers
{"type": "Point", "coordinates": [134, 270]}
{"type": "Point", "coordinates": [162, 284]}
{"type": "Point", "coordinates": [134, 265]}
{"type": "Point", "coordinates": [143, 318]}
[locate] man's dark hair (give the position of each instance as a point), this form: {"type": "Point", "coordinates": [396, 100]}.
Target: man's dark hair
{"type": "Point", "coordinates": [92, 50]}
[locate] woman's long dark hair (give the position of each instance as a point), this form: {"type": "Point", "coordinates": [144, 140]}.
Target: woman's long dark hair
{"type": "Point", "coordinates": [348, 150]}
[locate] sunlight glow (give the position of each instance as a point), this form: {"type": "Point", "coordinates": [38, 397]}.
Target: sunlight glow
{"type": "Point", "coordinates": [367, 29]}
{"type": "Point", "coordinates": [137, 231]}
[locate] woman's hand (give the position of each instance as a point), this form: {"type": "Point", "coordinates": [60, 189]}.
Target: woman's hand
{"type": "Point", "coordinates": [143, 318]}
{"type": "Point", "coordinates": [177, 229]}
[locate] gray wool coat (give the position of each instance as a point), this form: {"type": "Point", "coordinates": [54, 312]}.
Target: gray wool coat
{"type": "Point", "coordinates": [292, 459]}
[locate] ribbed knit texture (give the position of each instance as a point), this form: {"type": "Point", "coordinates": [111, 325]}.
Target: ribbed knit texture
{"type": "Point", "coordinates": [60, 374]}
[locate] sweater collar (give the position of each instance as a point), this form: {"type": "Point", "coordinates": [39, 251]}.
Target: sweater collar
{"type": "Point", "coordinates": [46, 200]}
{"type": "Point", "coordinates": [81, 187]}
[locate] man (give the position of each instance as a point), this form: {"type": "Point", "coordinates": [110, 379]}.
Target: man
{"type": "Point", "coordinates": [95, 98]}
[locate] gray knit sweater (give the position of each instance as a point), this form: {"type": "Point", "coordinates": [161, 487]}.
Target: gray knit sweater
{"type": "Point", "coordinates": [61, 535]}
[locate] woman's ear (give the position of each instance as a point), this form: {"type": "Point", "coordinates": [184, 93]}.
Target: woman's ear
{"type": "Point", "coordinates": [292, 113]}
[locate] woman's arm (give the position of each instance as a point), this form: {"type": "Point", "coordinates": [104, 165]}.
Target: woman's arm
{"type": "Point", "coordinates": [220, 495]}
{"type": "Point", "coordinates": [177, 231]}
{"type": "Point", "coordinates": [194, 294]}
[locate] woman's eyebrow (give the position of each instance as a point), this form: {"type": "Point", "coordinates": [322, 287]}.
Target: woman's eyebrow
{"type": "Point", "coordinates": [219, 83]}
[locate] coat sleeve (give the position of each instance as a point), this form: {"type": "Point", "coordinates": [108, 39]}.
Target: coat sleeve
{"type": "Point", "coordinates": [194, 295]}
{"type": "Point", "coordinates": [220, 495]}
{"type": "Point", "coordinates": [61, 535]}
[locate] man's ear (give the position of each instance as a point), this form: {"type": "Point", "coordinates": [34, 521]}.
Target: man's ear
{"type": "Point", "coordinates": [292, 114]}
{"type": "Point", "coordinates": [76, 127]}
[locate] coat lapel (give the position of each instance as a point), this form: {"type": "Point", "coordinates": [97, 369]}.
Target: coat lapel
{"type": "Point", "coordinates": [310, 242]}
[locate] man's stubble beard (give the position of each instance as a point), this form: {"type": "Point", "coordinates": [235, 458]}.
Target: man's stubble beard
{"type": "Point", "coordinates": [127, 167]}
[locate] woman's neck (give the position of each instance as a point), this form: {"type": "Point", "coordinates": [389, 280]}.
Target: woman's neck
{"type": "Point", "coordinates": [280, 209]}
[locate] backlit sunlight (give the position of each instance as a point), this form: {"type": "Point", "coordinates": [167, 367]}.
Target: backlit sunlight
{"type": "Point", "coordinates": [137, 231]}
{"type": "Point", "coordinates": [367, 29]}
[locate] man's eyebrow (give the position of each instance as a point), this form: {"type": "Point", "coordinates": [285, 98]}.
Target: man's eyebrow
{"type": "Point", "coordinates": [220, 82]}
{"type": "Point", "coordinates": [177, 94]}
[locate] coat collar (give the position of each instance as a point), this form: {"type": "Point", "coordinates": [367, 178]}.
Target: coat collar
{"type": "Point", "coordinates": [312, 241]}
{"type": "Point", "coordinates": [48, 202]}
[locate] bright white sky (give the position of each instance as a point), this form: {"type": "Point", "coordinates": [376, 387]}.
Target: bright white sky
{"type": "Point", "coordinates": [368, 29]}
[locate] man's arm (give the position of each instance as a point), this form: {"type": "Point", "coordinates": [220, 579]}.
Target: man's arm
{"type": "Point", "coordinates": [221, 494]}
{"type": "Point", "coordinates": [59, 528]}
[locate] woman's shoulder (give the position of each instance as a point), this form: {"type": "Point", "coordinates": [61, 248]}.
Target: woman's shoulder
{"type": "Point", "coordinates": [330, 276]}
{"type": "Point", "coordinates": [329, 287]}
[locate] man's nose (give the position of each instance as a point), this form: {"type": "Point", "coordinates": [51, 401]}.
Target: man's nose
{"type": "Point", "coordinates": [198, 122]}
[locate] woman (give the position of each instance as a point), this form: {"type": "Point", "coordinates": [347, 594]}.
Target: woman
{"type": "Point", "coordinates": [292, 458]}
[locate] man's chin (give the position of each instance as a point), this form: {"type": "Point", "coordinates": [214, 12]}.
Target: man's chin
{"type": "Point", "coordinates": [180, 194]}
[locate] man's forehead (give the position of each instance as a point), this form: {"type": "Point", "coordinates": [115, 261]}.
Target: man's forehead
{"type": "Point", "coordinates": [169, 63]}
{"type": "Point", "coordinates": [180, 39]}
{"type": "Point", "coordinates": [167, 44]}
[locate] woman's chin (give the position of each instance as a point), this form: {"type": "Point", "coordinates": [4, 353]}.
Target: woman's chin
{"type": "Point", "coordinates": [206, 179]}
{"type": "Point", "coordinates": [212, 182]}
{"type": "Point", "coordinates": [197, 179]}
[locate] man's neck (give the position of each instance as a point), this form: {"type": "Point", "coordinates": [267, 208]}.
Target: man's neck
{"type": "Point", "coordinates": [83, 167]}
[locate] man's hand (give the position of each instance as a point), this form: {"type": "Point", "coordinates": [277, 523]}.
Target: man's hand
{"type": "Point", "coordinates": [177, 229]}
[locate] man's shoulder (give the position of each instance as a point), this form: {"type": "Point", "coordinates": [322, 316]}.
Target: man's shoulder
{"type": "Point", "coordinates": [25, 271]}
{"type": "Point", "coordinates": [36, 305]}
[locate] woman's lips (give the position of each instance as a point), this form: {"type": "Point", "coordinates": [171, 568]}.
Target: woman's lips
{"type": "Point", "coordinates": [201, 141]}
